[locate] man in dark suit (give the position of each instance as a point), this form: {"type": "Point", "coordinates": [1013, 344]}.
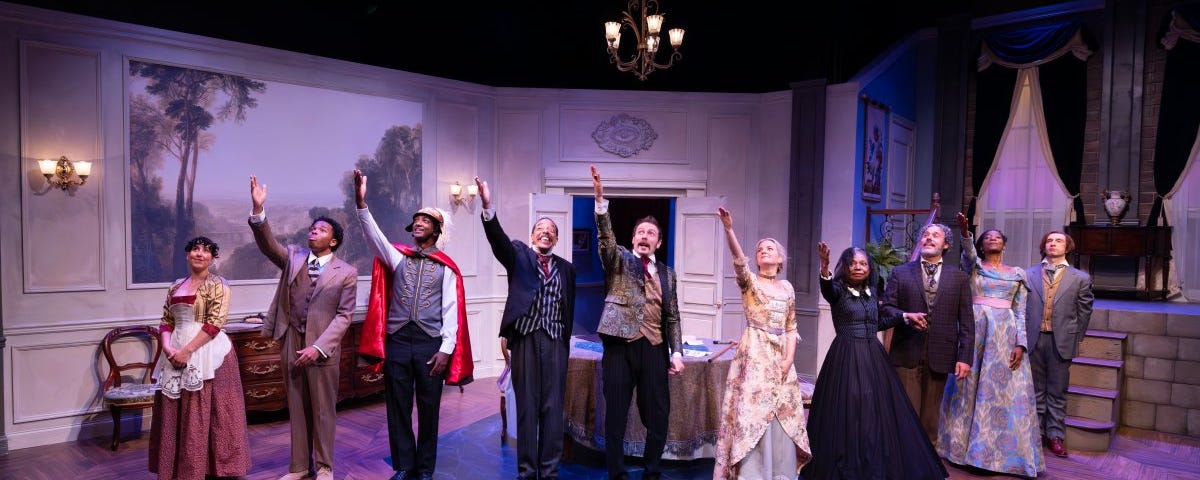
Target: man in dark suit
{"type": "Point", "coordinates": [1056, 318]}
{"type": "Point", "coordinates": [937, 335]}
{"type": "Point", "coordinates": [536, 324]}
{"type": "Point", "coordinates": [310, 314]}
{"type": "Point", "coordinates": [640, 331]}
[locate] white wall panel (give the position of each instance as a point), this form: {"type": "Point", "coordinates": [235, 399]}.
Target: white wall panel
{"type": "Point", "coordinates": [62, 244]}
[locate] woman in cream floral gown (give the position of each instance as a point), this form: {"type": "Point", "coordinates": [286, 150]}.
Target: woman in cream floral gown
{"type": "Point", "coordinates": [763, 434]}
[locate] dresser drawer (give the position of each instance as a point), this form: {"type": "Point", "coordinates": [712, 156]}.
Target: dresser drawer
{"type": "Point", "coordinates": [259, 368]}
{"type": "Point", "coordinates": [265, 396]}
{"type": "Point", "coordinates": [251, 345]}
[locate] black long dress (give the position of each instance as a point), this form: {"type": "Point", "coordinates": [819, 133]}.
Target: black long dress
{"type": "Point", "coordinates": [861, 425]}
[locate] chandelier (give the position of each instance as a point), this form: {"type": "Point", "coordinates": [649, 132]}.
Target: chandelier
{"type": "Point", "coordinates": [646, 27]}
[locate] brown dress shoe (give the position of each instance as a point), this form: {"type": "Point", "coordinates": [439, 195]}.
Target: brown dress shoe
{"type": "Point", "coordinates": [1057, 448]}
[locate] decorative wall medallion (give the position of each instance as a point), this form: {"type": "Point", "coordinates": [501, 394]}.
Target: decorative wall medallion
{"type": "Point", "coordinates": [624, 135]}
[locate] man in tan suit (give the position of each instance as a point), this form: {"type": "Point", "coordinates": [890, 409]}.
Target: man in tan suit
{"type": "Point", "coordinates": [310, 313]}
{"type": "Point", "coordinates": [641, 335]}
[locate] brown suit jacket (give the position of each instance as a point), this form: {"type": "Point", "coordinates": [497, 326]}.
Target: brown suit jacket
{"type": "Point", "coordinates": [951, 332]}
{"type": "Point", "coordinates": [333, 298]}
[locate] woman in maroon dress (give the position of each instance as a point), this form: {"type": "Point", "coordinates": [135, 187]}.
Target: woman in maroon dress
{"type": "Point", "coordinates": [199, 424]}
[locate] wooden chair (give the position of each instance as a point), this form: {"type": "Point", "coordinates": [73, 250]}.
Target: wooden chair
{"type": "Point", "coordinates": [119, 396]}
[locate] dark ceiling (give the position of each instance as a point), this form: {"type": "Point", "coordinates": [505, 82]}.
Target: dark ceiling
{"type": "Point", "coordinates": [729, 46]}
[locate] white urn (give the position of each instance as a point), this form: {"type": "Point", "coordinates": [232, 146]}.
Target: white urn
{"type": "Point", "coordinates": [1115, 204]}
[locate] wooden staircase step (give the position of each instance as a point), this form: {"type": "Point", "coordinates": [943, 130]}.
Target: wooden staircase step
{"type": "Point", "coordinates": [1096, 373]}
{"type": "Point", "coordinates": [1089, 435]}
{"type": "Point", "coordinates": [1108, 393]}
{"type": "Point", "coordinates": [1092, 403]}
{"type": "Point", "coordinates": [1102, 345]}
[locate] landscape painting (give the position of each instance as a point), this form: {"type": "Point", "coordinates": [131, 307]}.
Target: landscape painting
{"type": "Point", "coordinates": [196, 136]}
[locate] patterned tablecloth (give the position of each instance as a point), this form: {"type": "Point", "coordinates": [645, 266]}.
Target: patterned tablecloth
{"type": "Point", "coordinates": [695, 400]}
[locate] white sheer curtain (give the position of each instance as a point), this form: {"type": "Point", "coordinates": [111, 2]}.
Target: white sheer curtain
{"type": "Point", "coordinates": [1022, 195]}
{"type": "Point", "coordinates": [1182, 206]}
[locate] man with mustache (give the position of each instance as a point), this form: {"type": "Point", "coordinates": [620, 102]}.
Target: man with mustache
{"type": "Point", "coordinates": [937, 335]}
{"type": "Point", "coordinates": [417, 324]}
{"type": "Point", "coordinates": [640, 331]}
{"type": "Point", "coordinates": [536, 325]}
{"type": "Point", "coordinates": [1056, 318]}
{"type": "Point", "coordinates": [310, 313]}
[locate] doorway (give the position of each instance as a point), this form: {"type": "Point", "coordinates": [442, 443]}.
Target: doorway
{"type": "Point", "coordinates": [589, 273]}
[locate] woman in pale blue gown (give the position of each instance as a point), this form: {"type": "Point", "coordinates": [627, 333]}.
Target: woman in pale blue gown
{"type": "Point", "coordinates": [989, 419]}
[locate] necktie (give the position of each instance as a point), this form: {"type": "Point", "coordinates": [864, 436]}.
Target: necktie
{"type": "Point", "coordinates": [646, 265]}
{"type": "Point", "coordinates": [930, 271]}
{"type": "Point", "coordinates": [1052, 271]}
{"type": "Point", "coordinates": [314, 269]}
{"type": "Point", "coordinates": [544, 261]}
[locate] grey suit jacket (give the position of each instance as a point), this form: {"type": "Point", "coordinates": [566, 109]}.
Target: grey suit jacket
{"type": "Point", "coordinates": [1070, 314]}
{"type": "Point", "coordinates": [333, 297]}
{"type": "Point", "coordinates": [625, 298]}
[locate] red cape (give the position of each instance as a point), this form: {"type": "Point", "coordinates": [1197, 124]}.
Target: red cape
{"type": "Point", "coordinates": [370, 345]}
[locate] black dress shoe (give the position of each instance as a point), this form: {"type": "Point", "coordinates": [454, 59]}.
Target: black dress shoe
{"type": "Point", "coordinates": [401, 475]}
{"type": "Point", "coordinates": [426, 476]}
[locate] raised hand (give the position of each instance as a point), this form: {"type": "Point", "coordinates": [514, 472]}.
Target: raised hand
{"type": "Point", "coordinates": [258, 195]}
{"type": "Point", "coordinates": [964, 225]}
{"type": "Point", "coordinates": [485, 195]}
{"type": "Point", "coordinates": [596, 185]}
{"type": "Point", "coordinates": [726, 217]}
{"type": "Point", "coordinates": [823, 256]}
{"type": "Point", "coordinates": [360, 189]}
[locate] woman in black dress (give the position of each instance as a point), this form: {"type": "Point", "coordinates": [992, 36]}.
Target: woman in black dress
{"type": "Point", "coordinates": [861, 425]}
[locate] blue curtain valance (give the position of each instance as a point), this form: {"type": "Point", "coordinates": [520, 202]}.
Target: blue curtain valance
{"type": "Point", "coordinates": [1032, 45]}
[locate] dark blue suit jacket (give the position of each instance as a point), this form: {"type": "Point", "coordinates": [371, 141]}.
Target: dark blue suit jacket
{"type": "Point", "coordinates": [951, 332]}
{"type": "Point", "coordinates": [524, 281]}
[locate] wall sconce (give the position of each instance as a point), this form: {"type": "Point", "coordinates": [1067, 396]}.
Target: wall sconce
{"type": "Point", "coordinates": [63, 173]}
{"type": "Point", "coordinates": [456, 191]}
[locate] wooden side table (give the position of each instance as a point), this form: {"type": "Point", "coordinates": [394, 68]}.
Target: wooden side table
{"type": "Point", "coordinates": [1149, 244]}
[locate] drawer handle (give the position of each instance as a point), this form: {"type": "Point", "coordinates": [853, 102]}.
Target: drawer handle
{"type": "Point", "coordinates": [259, 370]}
{"type": "Point", "coordinates": [372, 377]}
{"type": "Point", "coordinates": [260, 394]}
{"type": "Point", "coordinates": [260, 346]}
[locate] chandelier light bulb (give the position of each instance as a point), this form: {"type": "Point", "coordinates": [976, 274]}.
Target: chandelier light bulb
{"type": "Point", "coordinates": [676, 37]}
{"type": "Point", "coordinates": [612, 31]}
{"type": "Point", "coordinates": [654, 24]}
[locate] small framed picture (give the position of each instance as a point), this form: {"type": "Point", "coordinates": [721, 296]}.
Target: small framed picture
{"type": "Point", "coordinates": [581, 240]}
{"type": "Point", "coordinates": [874, 149]}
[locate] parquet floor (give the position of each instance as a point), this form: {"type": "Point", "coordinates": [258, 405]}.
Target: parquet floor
{"type": "Point", "coordinates": [362, 446]}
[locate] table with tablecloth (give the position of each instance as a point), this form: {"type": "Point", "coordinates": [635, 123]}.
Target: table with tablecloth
{"type": "Point", "coordinates": [695, 400]}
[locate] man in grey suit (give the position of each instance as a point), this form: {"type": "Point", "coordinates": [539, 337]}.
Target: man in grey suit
{"type": "Point", "coordinates": [640, 331]}
{"type": "Point", "coordinates": [1056, 318]}
{"type": "Point", "coordinates": [310, 313]}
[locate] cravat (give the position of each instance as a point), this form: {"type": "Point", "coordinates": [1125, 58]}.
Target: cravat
{"type": "Point", "coordinates": [314, 269]}
{"type": "Point", "coordinates": [930, 271]}
{"type": "Point", "coordinates": [544, 261]}
{"type": "Point", "coordinates": [646, 265]}
{"type": "Point", "coordinates": [1052, 271]}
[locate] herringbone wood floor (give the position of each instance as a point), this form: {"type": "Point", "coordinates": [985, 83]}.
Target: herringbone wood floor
{"type": "Point", "coordinates": [362, 445]}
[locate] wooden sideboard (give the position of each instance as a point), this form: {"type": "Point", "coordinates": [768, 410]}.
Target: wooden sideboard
{"type": "Point", "coordinates": [262, 375]}
{"type": "Point", "coordinates": [1151, 245]}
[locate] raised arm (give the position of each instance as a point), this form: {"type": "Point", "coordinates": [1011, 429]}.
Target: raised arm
{"type": "Point", "coordinates": [739, 257]}
{"type": "Point", "coordinates": [376, 240]}
{"type": "Point", "coordinates": [970, 258]}
{"type": "Point", "coordinates": [610, 256]}
{"type": "Point", "coordinates": [267, 244]}
{"type": "Point", "coordinates": [830, 291]}
{"type": "Point", "coordinates": [502, 246]}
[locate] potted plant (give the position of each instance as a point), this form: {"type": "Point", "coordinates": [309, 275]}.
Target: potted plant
{"type": "Point", "coordinates": [886, 257]}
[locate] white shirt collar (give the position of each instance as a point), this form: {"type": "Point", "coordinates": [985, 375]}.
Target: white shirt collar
{"type": "Point", "coordinates": [322, 260]}
{"type": "Point", "coordinates": [856, 292]}
{"type": "Point", "coordinates": [1063, 262]}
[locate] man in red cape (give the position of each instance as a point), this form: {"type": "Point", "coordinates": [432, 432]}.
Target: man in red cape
{"type": "Point", "coordinates": [370, 345]}
{"type": "Point", "coordinates": [417, 325]}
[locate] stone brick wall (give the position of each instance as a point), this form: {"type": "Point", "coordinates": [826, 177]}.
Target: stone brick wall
{"type": "Point", "coordinates": [1161, 390]}
{"type": "Point", "coordinates": [1153, 61]}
